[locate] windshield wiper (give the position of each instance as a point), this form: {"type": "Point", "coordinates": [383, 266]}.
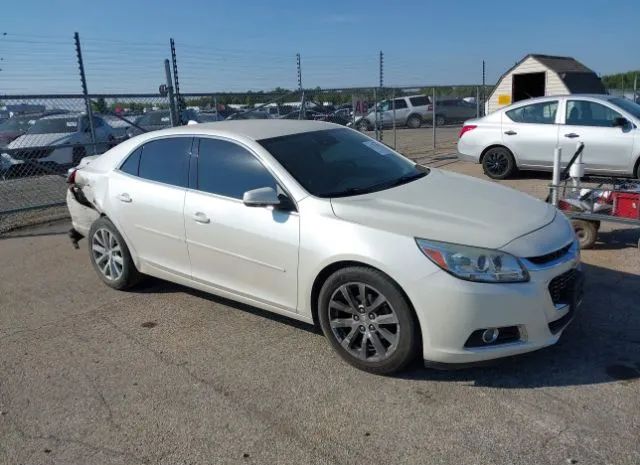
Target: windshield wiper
{"type": "Point", "coordinates": [378, 187]}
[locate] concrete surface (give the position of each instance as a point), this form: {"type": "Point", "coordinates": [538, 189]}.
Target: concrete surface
{"type": "Point", "coordinates": [167, 375]}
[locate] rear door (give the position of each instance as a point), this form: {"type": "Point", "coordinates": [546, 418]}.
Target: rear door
{"type": "Point", "coordinates": [148, 200]}
{"type": "Point", "coordinates": [531, 133]}
{"type": "Point", "coordinates": [606, 148]}
{"type": "Point", "coordinates": [250, 251]}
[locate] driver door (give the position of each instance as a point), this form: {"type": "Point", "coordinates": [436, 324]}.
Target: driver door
{"type": "Point", "coordinates": [250, 251]}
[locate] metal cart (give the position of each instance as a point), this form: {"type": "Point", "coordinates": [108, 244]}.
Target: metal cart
{"type": "Point", "coordinates": [599, 199]}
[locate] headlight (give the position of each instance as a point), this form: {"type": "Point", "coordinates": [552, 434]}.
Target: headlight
{"type": "Point", "coordinates": [473, 263]}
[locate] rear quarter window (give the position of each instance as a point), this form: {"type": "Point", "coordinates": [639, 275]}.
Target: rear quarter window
{"type": "Point", "coordinates": [419, 101]}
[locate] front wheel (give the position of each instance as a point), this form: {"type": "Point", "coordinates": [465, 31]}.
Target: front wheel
{"type": "Point", "coordinates": [586, 232]}
{"type": "Point", "coordinates": [498, 163]}
{"type": "Point", "coordinates": [440, 120]}
{"type": "Point", "coordinates": [368, 321]}
{"type": "Point", "coordinates": [362, 125]}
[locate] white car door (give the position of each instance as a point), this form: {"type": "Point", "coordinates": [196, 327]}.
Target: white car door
{"type": "Point", "coordinates": [607, 147]}
{"type": "Point", "coordinates": [148, 192]}
{"type": "Point", "coordinates": [531, 133]}
{"type": "Point", "coordinates": [250, 251]}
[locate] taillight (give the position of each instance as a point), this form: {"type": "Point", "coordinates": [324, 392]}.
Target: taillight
{"type": "Point", "coordinates": [430, 107]}
{"type": "Point", "coordinates": [71, 179]}
{"type": "Point", "coordinates": [466, 128]}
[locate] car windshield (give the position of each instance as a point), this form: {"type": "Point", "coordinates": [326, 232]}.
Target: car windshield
{"type": "Point", "coordinates": [341, 162]}
{"type": "Point", "coordinates": [54, 125]}
{"type": "Point", "coordinates": [15, 124]}
{"type": "Point", "coordinates": [627, 105]}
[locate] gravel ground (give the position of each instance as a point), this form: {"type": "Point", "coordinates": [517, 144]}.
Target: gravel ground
{"type": "Point", "coordinates": [168, 375]}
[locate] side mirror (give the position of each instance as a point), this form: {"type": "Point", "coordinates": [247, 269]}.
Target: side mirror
{"type": "Point", "coordinates": [262, 197]}
{"type": "Point", "coordinates": [620, 122]}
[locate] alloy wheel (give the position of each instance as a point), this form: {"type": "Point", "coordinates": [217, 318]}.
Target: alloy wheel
{"type": "Point", "coordinates": [107, 254]}
{"type": "Point", "coordinates": [364, 322]}
{"type": "Point", "coordinates": [496, 162]}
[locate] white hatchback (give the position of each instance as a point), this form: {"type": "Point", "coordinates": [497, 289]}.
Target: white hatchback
{"type": "Point", "coordinates": [326, 225]}
{"type": "Point", "coordinates": [525, 134]}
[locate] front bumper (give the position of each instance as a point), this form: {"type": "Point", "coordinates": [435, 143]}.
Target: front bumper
{"type": "Point", "coordinates": [450, 310]}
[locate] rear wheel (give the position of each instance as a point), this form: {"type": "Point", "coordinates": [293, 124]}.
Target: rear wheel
{"type": "Point", "coordinates": [498, 163]}
{"type": "Point", "coordinates": [368, 321]}
{"type": "Point", "coordinates": [586, 232]}
{"type": "Point", "coordinates": [110, 256]}
{"type": "Point", "coordinates": [414, 122]}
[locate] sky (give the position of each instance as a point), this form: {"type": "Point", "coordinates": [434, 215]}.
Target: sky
{"type": "Point", "coordinates": [252, 45]}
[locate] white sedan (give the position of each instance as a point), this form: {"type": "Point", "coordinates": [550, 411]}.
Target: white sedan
{"type": "Point", "coordinates": [525, 134]}
{"type": "Point", "coordinates": [323, 224]}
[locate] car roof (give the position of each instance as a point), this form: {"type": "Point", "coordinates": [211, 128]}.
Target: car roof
{"type": "Point", "coordinates": [256, 129]}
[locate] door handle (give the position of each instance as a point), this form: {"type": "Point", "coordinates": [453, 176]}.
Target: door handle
{"type": "Point", "coordinates": [572, 135]}
{"type": "Point", "coordinates": [510, 133]}
{"type": "Point", "coordinates": [126, 198]}
{"type": "Point", "coordinates": [200, 217]}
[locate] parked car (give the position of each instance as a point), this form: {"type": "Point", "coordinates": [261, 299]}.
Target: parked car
{"type": "Point", "coordinates": [54, 143]}
{"type": "Point", "coordinates": [525, 134]}
{"type": "Point", "coordinates": [315, 115]}
{"type": "Point", "coordinates": [410, 111]}
{"type": "Point", "coordinates": [454, 111]}
{"type": "Point", "coordinates": [159, 119]}
{"type": "Point", "coordinates": [255, 114]}
{"type": "Point", "coordinates": [323, 224]}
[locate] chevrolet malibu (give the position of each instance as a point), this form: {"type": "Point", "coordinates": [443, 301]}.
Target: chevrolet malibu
{"type": "Point", "coordinates": [323, 224]}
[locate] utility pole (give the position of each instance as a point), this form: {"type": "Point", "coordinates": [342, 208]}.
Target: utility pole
{"type": "Point", "coordinates": [381, 72]}
{"type": "Point", "coordinates": [87, 100]}
{"type": "Point", "coordinates": [299, 67]}
{"type": "Point", "coordinates": [635, 88]}
{"type": "Point", "coordinates": [176, 85]}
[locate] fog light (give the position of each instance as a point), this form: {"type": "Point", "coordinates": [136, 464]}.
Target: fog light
{"type": "Point", "coordinates": [490, 335]}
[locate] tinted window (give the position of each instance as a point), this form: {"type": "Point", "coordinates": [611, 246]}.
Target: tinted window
{"type": "Point", "coordinates": [400, 103]}
{"type": "Point", "coordinates": [131, 164]}
{"type": "Point", "coordinates": [166, 160]}
{"type": "Point", "coordinates": [584, 113]}
{"type": "Point", "coordinates": [539, 113]}
{"type": "Point", "coordinates": [227, 169]}
{"type": "Point", "coordinates": [341, 162]}
{"type": "Point", "coordinates": [419, 101]}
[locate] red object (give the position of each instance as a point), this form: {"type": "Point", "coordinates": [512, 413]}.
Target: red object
{"type": "Point", "coordinates": [466, 128]}
{"type": "Point", "coordinates": [626, 205]}
{"type": "Point", "coordinates": [72, 177]}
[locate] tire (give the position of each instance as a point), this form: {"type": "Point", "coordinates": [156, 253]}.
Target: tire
{"type": "Point", "coordinates": [117, 270]}
{"type": "Point", "coordinates": [414, 122]}
{"type": "Point", "coordinates": [498, 163]}
{"type": "Point", "coordinates": [388, 347]}
{"type": "Point", "coordinates": [440, 120]}
{"type": "Point", "coordinates": [78, 153]}
{"type": "Point", "coordinates": [362, 125]}
{"type": "Point", "coordinates": [586, 232]}
{"type": "Point", "coordinates": [637, 173]}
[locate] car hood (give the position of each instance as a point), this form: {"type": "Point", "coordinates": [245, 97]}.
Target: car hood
{"type": "Point", "coordinates": [39, 140]}
{"type": "Point", "coordinates": [449, 207]}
